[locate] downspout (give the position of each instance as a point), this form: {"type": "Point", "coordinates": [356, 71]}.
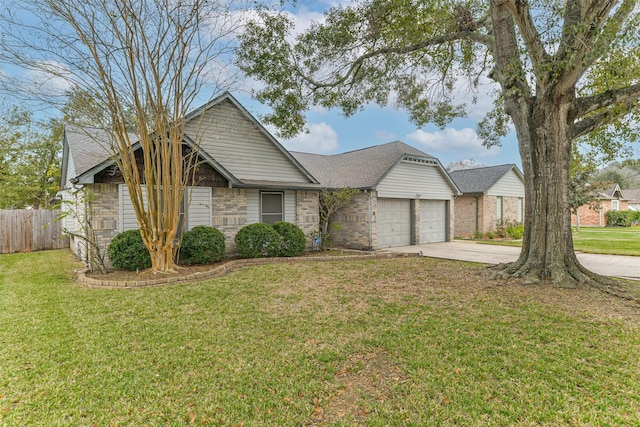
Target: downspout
{"type": "Point", "coordinates": [370, 220]}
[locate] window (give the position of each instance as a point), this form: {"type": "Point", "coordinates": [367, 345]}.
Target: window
{"type": "Point", "coordinates": [520, 209]}
{"type": "Point", "coordinates": [615, 205]}
{"type": "Point", "coordinates": [271, 207]}
{"type": "Point", "coordinates": [499, 210]}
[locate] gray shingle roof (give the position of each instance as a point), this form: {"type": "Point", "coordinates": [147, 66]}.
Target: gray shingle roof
{"type": "Point", "coordinates": [88, 147]}
{"type": "Point", "coordinates": [631, 195]}
{"type": "Point", "coordinates": [479, 180]}
{"type": "Point", "coordinates": [362, 168]}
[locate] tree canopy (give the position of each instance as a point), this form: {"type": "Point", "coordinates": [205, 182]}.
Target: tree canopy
{"type": "Point", "coordinates": [29, 160]}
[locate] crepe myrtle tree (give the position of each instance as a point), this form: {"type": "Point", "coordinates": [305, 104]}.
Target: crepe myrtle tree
{"type": "Point", "coordinates": [565, 72]}
{"type": "Point", "coordinates": [142, 63]}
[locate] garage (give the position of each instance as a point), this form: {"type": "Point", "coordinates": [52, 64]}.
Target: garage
{"type": "Point", "coordinates": [394, 223]}
{"type": "Point", "coordinates": [433, 221]}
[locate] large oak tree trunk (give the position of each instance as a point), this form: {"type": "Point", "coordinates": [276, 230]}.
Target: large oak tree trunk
{"type": "Point", "coordinates": [547, 252]}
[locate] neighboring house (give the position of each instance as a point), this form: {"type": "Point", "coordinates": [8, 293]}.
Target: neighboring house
{"type": "Point", "coordinates": [406, 195]}
{"type": "Point", "coordinates": [245, 176]}
{"type": "Point", "coordinates": [633, 199]}
{"type": "Point", "coordinates": [611, 199]}
{"type": "Point", "coordinates": [491, 196]}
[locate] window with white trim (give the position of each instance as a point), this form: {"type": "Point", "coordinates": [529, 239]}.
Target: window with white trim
{"type": "Point", "coordinates": [499, 210]}
{"type": "Point", "coordinates": [615, 205]}
{"type": "Point", "coordinates": [271, 207]}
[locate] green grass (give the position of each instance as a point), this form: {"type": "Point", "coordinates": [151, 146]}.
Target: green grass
{"type": "Point", "coordinates": [407, 341]}
{"type": "Point", "coordinates": [596, 240]}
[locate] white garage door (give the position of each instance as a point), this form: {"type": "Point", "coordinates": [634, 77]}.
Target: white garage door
{"type": "Point", "coordinates": [433, 220]}
{"type": "Point", "coordinates": [394, 223]}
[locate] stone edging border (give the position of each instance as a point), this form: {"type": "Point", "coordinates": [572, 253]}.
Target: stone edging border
{"type": "Point", "coordinates": [218, 271]}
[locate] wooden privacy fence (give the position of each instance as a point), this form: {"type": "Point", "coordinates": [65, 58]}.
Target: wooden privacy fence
{"type": "Point", "coordinates": [30, 230]}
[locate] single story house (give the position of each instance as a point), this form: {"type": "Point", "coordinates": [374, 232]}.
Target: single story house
{"type": "Point", "coordinates": [491, 196]}
{"type": "Point", "coordinates": [244, 176]}
{"type": "Point", "coordinates": [592, 214]}
{"type": "Point", "coordinates": [406, 195]}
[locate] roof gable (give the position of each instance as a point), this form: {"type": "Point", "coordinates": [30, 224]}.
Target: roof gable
{"type": "Point", "coordinates": [85, 150]}
{"type": "Point", "coordinates": [230, 134]}
{"type": "Point", "coordinates": [480, 180]}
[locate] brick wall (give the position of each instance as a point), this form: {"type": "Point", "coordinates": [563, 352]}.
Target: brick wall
{"type": "Point", "coordinates": [592, 214]}
{"type": "Point", "coordinates": [466, 208]}
{"type": "Point", "coordinates": [487, 212]}
{"type": "Point", "coordinates": [510, 209]}
{"type": "Point", "coordinates": [357, 232]}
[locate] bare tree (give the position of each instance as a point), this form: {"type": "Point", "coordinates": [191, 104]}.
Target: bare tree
{"type": "Point", "coordinates": [143, 59]}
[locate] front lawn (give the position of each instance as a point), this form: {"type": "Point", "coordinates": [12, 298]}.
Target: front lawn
{"type": "Point", "coordinates": [596, 240]}
{"type": "Point", "coordinates": [403, 341]}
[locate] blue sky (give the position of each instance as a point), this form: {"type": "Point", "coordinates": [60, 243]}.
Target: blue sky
{"type": "Point", "coordinates": [330, 133]}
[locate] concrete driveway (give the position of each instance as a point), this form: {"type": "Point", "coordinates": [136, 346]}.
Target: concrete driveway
{"type": "Point", "coordinates": [464, 250]}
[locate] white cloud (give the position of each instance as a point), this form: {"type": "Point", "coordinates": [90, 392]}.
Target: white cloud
{"type": "Point", "coordinates": [320, 139]}
{"type": "Point", "coordinates": [49, 77]}
{"type": "Point", "coordinates": [383, 135]}
{"type": "Point", "coordinates": [464, 142]}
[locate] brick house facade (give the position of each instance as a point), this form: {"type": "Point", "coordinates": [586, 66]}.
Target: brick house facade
{"type": "Point", "coordinates": [593, 214]}
{"type": "Point", "coordinates": [491, 196]}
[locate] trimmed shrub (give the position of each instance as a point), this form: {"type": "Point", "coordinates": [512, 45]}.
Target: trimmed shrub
{"type": "Point", "coordinates": [258, 240]}
{"type": "Point", "coordinates": [128, 252]}
{"type": "Point", "coordinates": [202, 245]}
{"type": "Point", "coordinates": [293, 240]}
{"type": "Point", "coordinates": [622, 218]}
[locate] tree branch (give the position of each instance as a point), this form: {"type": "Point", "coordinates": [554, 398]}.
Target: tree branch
{"type": "Point", "coordinates": [509, 70]}
{"type": "Point", "coordinates": [589, 124]}
{"type": "Point", "coordinates": [589, 104]}
{"type": "Point", "coordinates": [522, 16]}
{"type": "Point", "coordinates": [352, 72]}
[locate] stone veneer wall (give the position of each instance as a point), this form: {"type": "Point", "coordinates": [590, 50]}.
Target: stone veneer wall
{"type": "Point", "coordinates": [357, 232]}
{"type": "Point", "coordinates": [308, 212]}
{"type": "Point", "coordinates": [105, 208]}
{"type": "Point", "coordinates": [229, 213]}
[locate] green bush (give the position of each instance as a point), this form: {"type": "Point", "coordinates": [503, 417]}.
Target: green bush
{"type": "Point", "coordinates": [128, 252]}
{"type": "Point", "coordinates": [490, 235]}
{"type": "Point", "coordinates": [516, 231]}
{"type": "Point", "coordinates": [202, 245]}
{"type": "Point", "coordinates": [293, 240]}
{"type": "Point", "coordinates": [478, 235]}
{"type": "Point", "coordinates": [258, 240]}
{"type": "Point", "coordinates": [622, 218]}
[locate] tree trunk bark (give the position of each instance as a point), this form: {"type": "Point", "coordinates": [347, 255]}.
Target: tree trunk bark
{"type": "Point", "coordinates": [162, 258]}
{"type": "Point", "coordinates": [547, 255]}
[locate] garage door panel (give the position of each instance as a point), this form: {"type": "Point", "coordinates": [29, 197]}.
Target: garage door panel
{"type": "Point", "coordinates": [433, 220]}
{"type": "Point", "coordinates": [394, 223]}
